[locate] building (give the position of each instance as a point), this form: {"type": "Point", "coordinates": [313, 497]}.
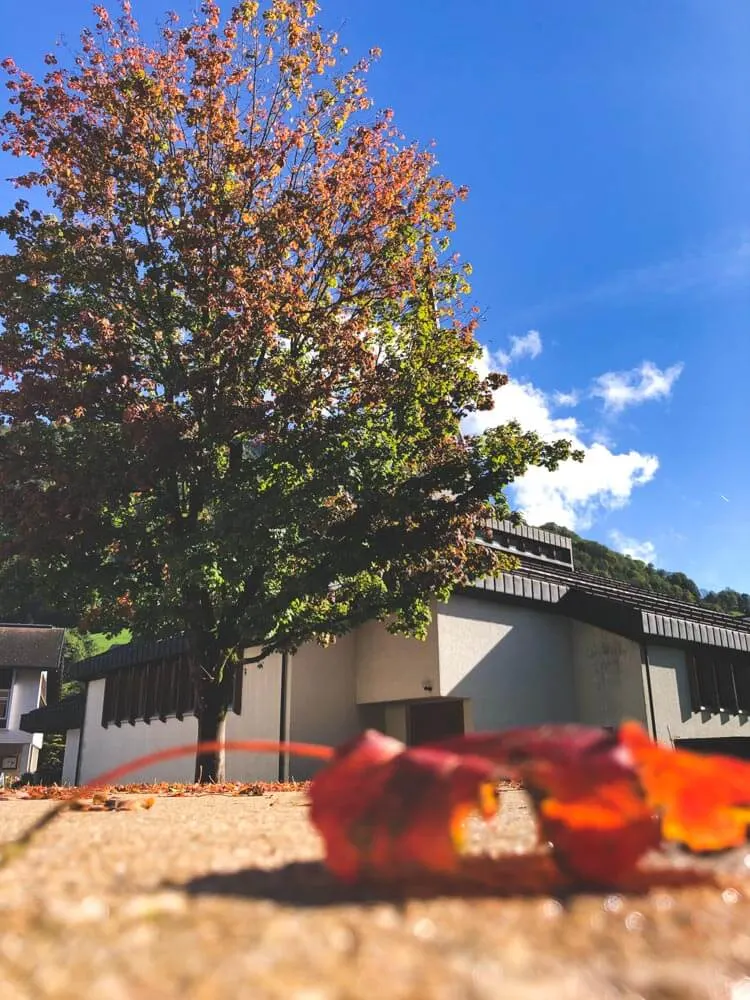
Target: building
{"type": "Point", "coordinates": [28, 656]}
{"type": "Point", "coordinates": [541, 644]}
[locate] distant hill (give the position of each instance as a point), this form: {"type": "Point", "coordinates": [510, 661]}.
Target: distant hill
{"type": "Point", "coordinates": [593, 557]}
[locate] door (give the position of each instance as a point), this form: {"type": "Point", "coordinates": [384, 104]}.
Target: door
{"type": "Point", "coordinates": [430, 721]}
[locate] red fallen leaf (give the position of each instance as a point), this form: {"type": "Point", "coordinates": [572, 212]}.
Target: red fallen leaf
{"type": "Point", "coordinates": [704, 801]}
{"type": "Point", "coordinates": [385, 810]}
{"type": "Point", "coordinates": [589, 800]}
{"type": "Point", "coordinates": [604, 799]}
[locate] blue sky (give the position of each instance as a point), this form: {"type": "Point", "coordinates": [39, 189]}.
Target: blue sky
{"type": "Point", "coordinates": [607, 150]}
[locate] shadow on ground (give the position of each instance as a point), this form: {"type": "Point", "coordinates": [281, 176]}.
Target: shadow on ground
{"type": "Point", "coordinates": [308, 883]}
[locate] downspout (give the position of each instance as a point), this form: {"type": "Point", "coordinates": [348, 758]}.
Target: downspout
{"type": "Point", "coordinates": [285, 712]}
{"type": "Point", "coordinates": [79, 754]}
{"type": "Point", "coordinates": [649, 691]}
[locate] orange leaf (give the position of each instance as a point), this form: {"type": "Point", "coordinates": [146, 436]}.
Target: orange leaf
{"type": "Point", "coordinates": [590, 805]}
{"type": "Point", "coordinates": [600, 837]}
{"type": "Point", "coordinates": [704, 801]}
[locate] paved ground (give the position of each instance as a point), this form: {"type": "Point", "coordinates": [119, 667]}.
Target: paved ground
{"type": "Point", "coordinates": [225, 898]}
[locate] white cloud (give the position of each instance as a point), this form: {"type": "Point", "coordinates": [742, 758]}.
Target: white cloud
{"type": "Point", "coordinates": [528, 346]}
{"type": "Point", "coordinates": [575, 492]}
{"type": "Point", "coordinates": [645, 551]}
{"type": "Point", "coordinates": [565, 398]}
{"type": "Point", "coordinates": [619, 390]}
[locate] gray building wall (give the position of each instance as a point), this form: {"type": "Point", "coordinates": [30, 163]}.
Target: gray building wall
{"type": "Point", "coordinates": [395, 668]}
{"type": "Point", "coordinates": [104, 749]}
{"type": "Point", "coordinates": [609, 680]}
{"type": "Point", "coordinates": [70, 758]}
{"type": "Point", "coordinates": [323, 699]}
{"type": "Point", "coordinates": [671, 692]}
{"type": "Point", "coordinates": [260, 718]}
{"type": "Point", "coordinates": [514, 663]}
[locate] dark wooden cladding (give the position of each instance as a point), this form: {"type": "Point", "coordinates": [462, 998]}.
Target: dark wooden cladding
{"type": "Point", "coordinates": [694, 683]}
{"type": "Point", "coordinates": [724, 673]}
{"type": "Point", "coordinates": [158, 689]}
{"type": "Point", "coordinates": [742, 687]}
{"type": "Point", "coordinates": [521, 539]}
{"type": "Point", "coordinates": [57, 718]}
{"type": "Point", "coordinates": [720, 682]}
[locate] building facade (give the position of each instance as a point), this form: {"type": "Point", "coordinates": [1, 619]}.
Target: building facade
{"type": "Point", "coordinates": [28, 654]}
{"type": "Point", "coordinates": [543, 644]}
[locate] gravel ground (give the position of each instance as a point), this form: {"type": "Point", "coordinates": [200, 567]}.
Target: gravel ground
{"type": "Point", "coordinates": [223, 897]}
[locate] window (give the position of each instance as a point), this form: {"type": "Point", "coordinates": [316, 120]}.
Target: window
{"type": "Point", "coordinates": [720, 681]}
{"type": "Point", "coordinates": [6, 684]}
{"type": "Point", "coordinates": [155, 690]}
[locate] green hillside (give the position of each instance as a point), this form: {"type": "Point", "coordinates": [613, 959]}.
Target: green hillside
{"type": "Point", "coordinates": [593, 557]}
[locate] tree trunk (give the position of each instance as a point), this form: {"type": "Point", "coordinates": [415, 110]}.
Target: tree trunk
{"type": "Point", "coordinates": [210, 765]}
{"type": "Point", "coordinates": [211, 711]}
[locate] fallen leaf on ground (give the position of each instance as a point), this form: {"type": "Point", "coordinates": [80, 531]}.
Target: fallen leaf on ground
{"type": "Point", "coordinates": [384, 810]}
{"type": "Point", "coordinates": [102, 802]}
{"type": "Point", "coordinates": [703, 801]}
{"type": "Point", "coordinates": [603, 800]}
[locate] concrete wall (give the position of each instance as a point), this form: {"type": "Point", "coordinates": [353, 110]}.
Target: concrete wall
{"type": "Point", "coordinates": [394, 668]}
{"type": "Point", "coordinates": [70, 759]}
{"type": "Point", "coordinates": [24, 696]}
{"type": "Point", "coordinates": [514, 663]}
{"type": "Point", "coordinates": [671, 692]}
{"type": "Point", "coordinates": [609, 679]}
{"type": "Point", "coordinates": [323, 705]}
{"type": "Point", "coordinates": [107, 748]}
{"type": "Point", "coordinates": [261, 696]}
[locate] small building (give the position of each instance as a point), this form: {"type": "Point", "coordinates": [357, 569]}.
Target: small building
{"type": "Point", "coordinates": [28, 656]}
{"type": "Point", "coordinates": [543, 644]}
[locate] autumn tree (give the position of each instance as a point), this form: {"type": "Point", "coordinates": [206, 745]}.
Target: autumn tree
{"type": "Point", "coordinates": [236, 348]}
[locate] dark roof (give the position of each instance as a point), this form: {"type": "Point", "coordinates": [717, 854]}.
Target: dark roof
{"type": "Point", "coordinates": [525, 585]}
{"type": "Point", "coordinates": [522, 540]}
{"type": "Point", "coordinates": [35, 646]}
{"type": "Point", "coordinates": [629, 611]}
{"type": "Point", "coordinates": [126, 655]}
{"type": "Point", "coordinates": [66, 714]}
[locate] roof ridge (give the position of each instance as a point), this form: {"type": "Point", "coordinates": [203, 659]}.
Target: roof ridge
{"type": "Point", "coordinates": [607, 587]}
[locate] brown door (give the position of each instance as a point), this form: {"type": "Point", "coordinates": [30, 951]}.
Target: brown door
{"type": "Point", "coordinates": [435, 720]}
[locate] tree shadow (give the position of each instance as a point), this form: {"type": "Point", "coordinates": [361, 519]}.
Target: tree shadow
{"type": "Point", "coordinates": [309, 884]}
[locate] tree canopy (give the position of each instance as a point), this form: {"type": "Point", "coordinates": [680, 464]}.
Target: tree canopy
{"type": "Point", "coordinates": [237, 347]}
